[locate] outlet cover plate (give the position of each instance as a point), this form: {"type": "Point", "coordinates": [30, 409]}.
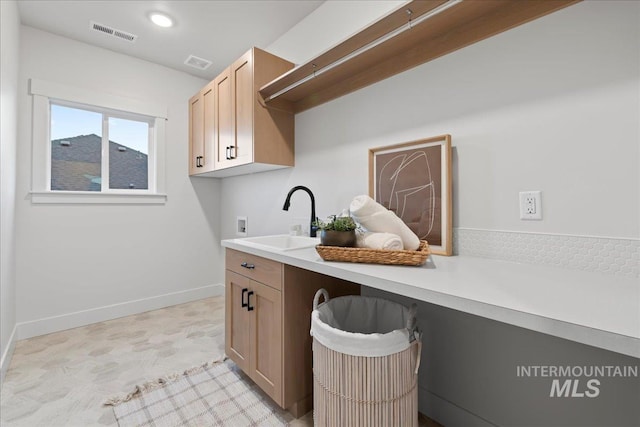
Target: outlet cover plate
{"type": "Point", "coordinates": [530, 205]}
{"type": "Point", "coordinates": [241, 226]}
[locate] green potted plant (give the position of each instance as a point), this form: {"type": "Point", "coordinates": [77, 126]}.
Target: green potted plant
{"type": "Point", "coordinates": [337, 231]}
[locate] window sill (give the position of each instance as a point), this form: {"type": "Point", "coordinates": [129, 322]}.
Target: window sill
{"type": "Point", "coordinates": [95, 198]}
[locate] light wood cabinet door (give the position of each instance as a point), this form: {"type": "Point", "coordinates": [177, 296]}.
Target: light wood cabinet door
{"type": "Point", "coordinates": [225, 134]}
{"type": "Point", "coordinates": [242, 101]}
{"type": "Point", "coordinates": [238, 320]}
{"type": "Point", "coordinates": [202, 131]}
{"type": "Point", "coordinates": [266, 358]}
{"type": "Point", "coordinates": [235, 97]}
{"type": "Point", "coordinates": [209, 134]}
{"type": "Point", "coordinates": [196, 133]}
{"type": "Point", "coordinates": [254, 331]}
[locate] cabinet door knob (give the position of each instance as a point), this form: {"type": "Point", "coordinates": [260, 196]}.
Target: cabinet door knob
{"type": "Point", "coordinates": [232, 150]}
{"type": "Point", "coordinates": [227, 152]}
{"type": "Point", "coordinates": [244, 292]}
{"type": "Point", "coordinates": [249, 306]}
{"type": "Point", "coordinates": [249, 266]}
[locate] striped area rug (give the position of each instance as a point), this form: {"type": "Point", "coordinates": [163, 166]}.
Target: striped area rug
{"type": "Point", "coordinates": [215, 394]}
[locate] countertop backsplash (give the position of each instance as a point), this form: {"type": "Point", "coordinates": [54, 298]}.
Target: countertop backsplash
{"type": "Point", "coordinates": [617, 256]}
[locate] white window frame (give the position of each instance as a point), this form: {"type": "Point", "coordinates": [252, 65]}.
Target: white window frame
{"type": "Point", "coordinates": [47, 93]}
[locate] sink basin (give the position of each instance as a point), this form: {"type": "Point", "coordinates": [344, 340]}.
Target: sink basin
{"type": "Point", "coordinates": [280, 242]}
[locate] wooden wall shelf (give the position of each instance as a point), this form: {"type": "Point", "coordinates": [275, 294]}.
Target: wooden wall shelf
{"type": "Point", "coordinates": [460, 25]}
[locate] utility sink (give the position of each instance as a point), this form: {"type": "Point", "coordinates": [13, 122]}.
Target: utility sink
{"type": "Point", "coordinates": [280, 242]}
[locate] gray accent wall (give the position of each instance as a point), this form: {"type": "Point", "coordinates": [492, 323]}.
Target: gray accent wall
{"type": "Point", "coordinates": [469, 374]}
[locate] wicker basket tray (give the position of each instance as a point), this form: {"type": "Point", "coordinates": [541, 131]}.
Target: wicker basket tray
{"type": "Point", "coordinates": [375, 256]}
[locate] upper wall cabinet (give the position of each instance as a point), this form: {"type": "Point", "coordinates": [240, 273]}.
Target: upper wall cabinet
{"type": "Point", "coordinates": [417, 32]}
{"type": "Point", "coordinates": [231, 132]}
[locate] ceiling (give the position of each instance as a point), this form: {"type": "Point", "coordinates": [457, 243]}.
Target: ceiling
{"type": "Point", "coordinates": [219, 31]}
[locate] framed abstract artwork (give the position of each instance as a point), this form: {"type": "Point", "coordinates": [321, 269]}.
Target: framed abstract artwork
{"type": "Point", "coordinates": [413, 180]}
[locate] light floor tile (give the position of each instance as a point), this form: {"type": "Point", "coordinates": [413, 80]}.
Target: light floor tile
{"type": "Point", "coordinates": [62, 379]}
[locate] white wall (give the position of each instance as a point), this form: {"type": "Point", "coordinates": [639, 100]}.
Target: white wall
{"type": "Point", "coordinates": [83, 263]}
{"type": "Point", "coordinates": [328, 25]}
{"type": "Point", "coordinates": [9, 41]}
{"type": "Point", "coordinates": [553, 106]}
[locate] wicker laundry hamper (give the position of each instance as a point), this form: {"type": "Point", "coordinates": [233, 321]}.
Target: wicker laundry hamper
{"type": "Point", "coordinates": [366, 355]}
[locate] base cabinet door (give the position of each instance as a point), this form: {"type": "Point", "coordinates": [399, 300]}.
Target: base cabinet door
{"type": "Point", "coordinates": [254, 331]}
{"type": "Point", "coordinates": [238, 320]}
{"type": "Point", "coordinates": [266, 360]}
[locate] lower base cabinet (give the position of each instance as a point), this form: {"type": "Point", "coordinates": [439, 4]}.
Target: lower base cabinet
{"type": "Point", "coordinates": [268, 317]}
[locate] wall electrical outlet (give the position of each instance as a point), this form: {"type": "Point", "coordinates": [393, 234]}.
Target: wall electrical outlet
{"type": "Point", "coordinates": [530, 205]}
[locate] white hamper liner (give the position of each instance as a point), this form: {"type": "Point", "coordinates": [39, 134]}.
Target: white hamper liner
{"type": "Point", "coordinates": [366, 355]}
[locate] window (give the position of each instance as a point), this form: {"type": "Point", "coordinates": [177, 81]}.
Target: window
{"type": "Point", "coordinates": [92, 148]}
{"type": "Point", "coordinates": [98, 150]}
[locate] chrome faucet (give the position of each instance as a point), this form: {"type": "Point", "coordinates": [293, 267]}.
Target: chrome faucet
{"type": "Point", "coordinates": [287, 202]}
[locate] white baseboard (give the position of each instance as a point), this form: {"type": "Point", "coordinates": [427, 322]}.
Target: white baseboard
{"type": "Point", "coordinates": [7, 355]}
{"type": "Point", "coordinates": [34, 328]}
{"type": "Point", "coordinates": [447, 413]}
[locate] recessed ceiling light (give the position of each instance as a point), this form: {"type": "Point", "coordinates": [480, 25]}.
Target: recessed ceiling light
{"type": "Point", "coordinates": [161, 20]}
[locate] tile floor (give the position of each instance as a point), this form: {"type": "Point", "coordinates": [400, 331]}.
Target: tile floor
{"type": "Point", "coordinates": [62, 379]}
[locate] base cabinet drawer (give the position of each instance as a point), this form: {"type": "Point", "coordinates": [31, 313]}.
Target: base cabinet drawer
{"type": "Point", "coordinates": [256, 268]}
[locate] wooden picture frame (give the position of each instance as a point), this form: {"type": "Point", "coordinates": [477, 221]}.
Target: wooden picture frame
{"type": "Point", "coordinates": [413, 179]}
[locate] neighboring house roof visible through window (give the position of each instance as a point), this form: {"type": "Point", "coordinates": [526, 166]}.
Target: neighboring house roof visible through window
{"type": "Point", "coordinates": [76, 166]}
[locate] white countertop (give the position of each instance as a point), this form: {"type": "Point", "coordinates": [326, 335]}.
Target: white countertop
{"type": "Point", "coordinates": [592, 308]}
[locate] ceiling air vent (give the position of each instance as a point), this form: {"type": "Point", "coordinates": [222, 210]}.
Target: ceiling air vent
{"type": "Point", "coordinates": [113, 32]}
{"type": "Point", "coordinates": [196, 62]}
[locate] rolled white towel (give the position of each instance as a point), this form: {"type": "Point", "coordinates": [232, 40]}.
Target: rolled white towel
{"type": "Point", "coordinates": [375, 217]}
{"type": "Point", "coordinates": [388, 222]}
{"type": "Point", "coordinates": [386, 241]}
{"type": "Point", "coordinates": [364, 205]}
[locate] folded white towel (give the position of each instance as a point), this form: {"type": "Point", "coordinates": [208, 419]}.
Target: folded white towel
{"type": "Point", "coordinates": [364, 205]}
{"type": "Point", "coordinates": [388, 222]}
{"type": "Point", "coordinates": [375, 217]}
{"type": "Point", "coordinates": [387, 241]}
